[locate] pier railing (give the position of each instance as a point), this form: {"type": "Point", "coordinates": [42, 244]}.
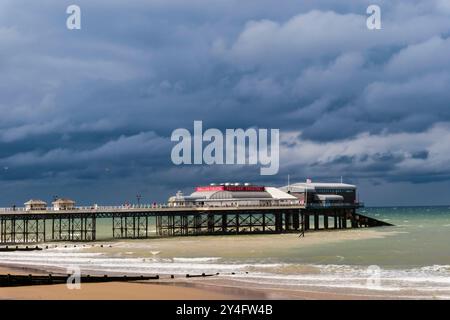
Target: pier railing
{"type": "Point", "coordinates": [97, 208]}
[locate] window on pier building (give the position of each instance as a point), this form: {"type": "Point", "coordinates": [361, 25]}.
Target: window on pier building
{"type": "Point", "coordinates": [334, 190]}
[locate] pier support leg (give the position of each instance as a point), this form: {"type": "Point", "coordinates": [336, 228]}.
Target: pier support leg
{"type": "Point", "coordinates": [184, 225]}
{"type": "Point", "coordinates": [354, 220]}
{"type": "Point", "coordinates": [278, 223]}
{"type": "Point", "coordinates": [335, 218]}
{"type": "Point", "coordinates": [296, 221]}
{"type": "Point", "coordinates": [345, 221]}
{"type": "Point", "coordinates": [307, 222]}
{"type": "Point", "coordinates": [316, 221]}
{"type": "Point", "coordinates": [224, 223]}
{"type": "Point", "coordinates": [263, 222]}
{"type": "Point", "coordinates": [287, 222]}
{"type": "Point", "coordinates": [17, 229]}
{"type": "Point", "coordinates": [302, 223]}
{"type": "Point", "coordinates": [74, 228]}
{"type": "Point", "coordinates": [210, 223]}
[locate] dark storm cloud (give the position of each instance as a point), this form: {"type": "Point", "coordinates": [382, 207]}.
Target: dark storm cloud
{"type": "Point", "coordinates": [99, 104]}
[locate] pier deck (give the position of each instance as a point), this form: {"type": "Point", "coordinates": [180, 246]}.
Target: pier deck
{"type": "Point", "coordinates": [145, 221]}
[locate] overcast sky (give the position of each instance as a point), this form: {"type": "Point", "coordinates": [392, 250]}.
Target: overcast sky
{"type": "Point", "coordinates": [88, 113]}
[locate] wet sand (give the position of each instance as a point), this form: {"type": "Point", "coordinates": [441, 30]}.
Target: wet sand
{"type": "Point", "coordinates": [190, 289]}
{"type": "Point", "coordinates": [305, 292]}
{"type": "Point", "coordinates": [178, 289]}
{"type": "Point", "coordinates": [175, 290]}
{"type": "Point", "coordinates": [118, 290]}
{"type": "Point", "coordinates": [108, 291]}
{"type": "Point", "coordinates": [111, 291]}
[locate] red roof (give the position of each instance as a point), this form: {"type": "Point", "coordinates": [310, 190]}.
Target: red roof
{"type": "Point", "coordinates": [229, 188]}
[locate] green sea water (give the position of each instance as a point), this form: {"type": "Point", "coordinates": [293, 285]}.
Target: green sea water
{"type": "Point", "coordinates": [420, 237]}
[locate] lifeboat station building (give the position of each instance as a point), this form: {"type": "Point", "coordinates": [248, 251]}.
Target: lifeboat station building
{"type": "Point", "coordinates": [233, 194]}
{"type": "Point", "coordinates": [326, 194]}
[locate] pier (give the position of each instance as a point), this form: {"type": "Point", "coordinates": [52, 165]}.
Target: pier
{"type": "Point", "coordinates": [79, 224]}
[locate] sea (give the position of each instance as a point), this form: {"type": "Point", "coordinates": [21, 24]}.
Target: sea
{"type": "Point", "coordinates": [408, 260]}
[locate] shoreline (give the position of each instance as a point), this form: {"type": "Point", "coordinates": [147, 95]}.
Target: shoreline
{"type": "Point", "coordinates": [133, 290]}
{"type": "Point", "coordinates": [138, 290]}
{"type": "Point", "coordinates": [168, 256]}
{"type": "Point", "coordinates": [182, 289]}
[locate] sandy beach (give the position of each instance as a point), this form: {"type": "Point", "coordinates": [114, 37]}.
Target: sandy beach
{"type": "Point", "coordinates": [164, 290]}
{"type": "Point", "coordinates": [211, 288]}
{"type": "Point", "coordinates": [175, 290]}
{"type": "Point", "coordinates": [109, 291]}
{"type": "Point", "coordinates": [180, 289]}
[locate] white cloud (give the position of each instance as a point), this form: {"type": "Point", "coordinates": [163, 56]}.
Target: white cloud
{"type": "Point", "coordinates": [319, 34]}
{"type": "Point", "coordinates": [425, 57]}
{"type": "Point", "coordinates": [144, 146]}
{"type": "Point", "coordinates": [365, 149]}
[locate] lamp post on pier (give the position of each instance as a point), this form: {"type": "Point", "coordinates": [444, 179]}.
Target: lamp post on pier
{"type": "Point", "coordinates": [138, 197]}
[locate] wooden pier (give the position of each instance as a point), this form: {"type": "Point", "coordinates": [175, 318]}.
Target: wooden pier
{"type": "Point", "coordinates": [135, 222]}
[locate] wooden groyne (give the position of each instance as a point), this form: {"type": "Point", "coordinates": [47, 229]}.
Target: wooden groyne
{"type": "Point", "coordinates": [13, 280]}
{"type": "Point", "coordinates": [17, 248]}
{"type": "Point", "coordinates": [32, 280]}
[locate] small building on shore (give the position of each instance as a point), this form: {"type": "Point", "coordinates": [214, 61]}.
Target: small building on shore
{"type": "Point", "coordinates": [35, 204]}
{"type": "Point", "coordinates": [63, 204]}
